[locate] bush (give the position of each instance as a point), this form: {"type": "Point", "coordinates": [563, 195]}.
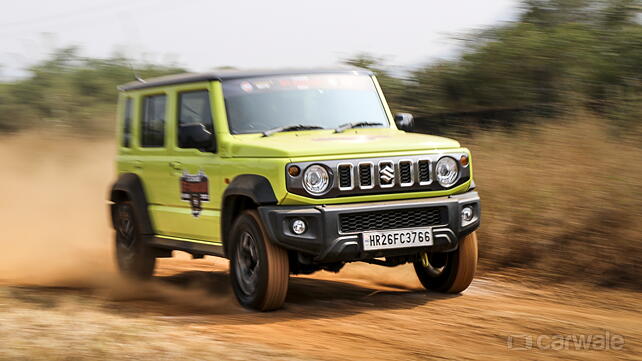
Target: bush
{"type": "Point", "coordinates": [68, 91]}
{"type": "Point", "coordinates": [562, 200]}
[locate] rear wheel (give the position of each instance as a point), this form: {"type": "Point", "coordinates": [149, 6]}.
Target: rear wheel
{"type": "Point", "coordinates": [450, 272]}
{"type": "Point", "coordinates": [259, 269]}
{"type": "Point", "coordinates": [133, 257]}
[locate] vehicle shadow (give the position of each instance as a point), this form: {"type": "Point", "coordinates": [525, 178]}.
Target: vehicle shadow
{"type": "Point", "coordinates": [308, 298]}
{"type": "Point", "coordinates": [202, 297]}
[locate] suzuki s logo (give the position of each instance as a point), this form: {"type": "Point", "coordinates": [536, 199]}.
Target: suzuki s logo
{"type": "Point", "coordinates": [386, 173]}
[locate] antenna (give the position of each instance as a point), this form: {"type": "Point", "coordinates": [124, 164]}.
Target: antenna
{"type": "Point", "coordinates": [136, 75]}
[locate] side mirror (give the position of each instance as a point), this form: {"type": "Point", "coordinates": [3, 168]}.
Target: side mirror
{"type": "Point", "coordinates": [195, 135]}
{"type": "Point", "coordinates": [404, 121]}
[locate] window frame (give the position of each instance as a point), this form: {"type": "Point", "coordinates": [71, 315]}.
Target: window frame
{"type": "Point", "coordinates": [142, 120]}
{"type": "Point", "coordinates": [127, 130]}
{"type": "Point", "coordinates": [179, 95]}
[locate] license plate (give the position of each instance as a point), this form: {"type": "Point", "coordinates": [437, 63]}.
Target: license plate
{"type": "Point", "coordinates": [399, 238]}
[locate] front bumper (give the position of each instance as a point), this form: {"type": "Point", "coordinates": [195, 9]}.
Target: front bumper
{"type": "Point", "coordinates": [326, 240]}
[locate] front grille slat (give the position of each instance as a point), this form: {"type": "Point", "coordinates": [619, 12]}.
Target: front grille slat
{"type": "Point", "coordinates": [405, 173]}
{"type": "Point", "coordinates": [345, 176]}
{"type": "Point", "coordinates": [365, 175]}
{"type": "Point", "coordinates": [392, 219]}
{"type": "Point", "coordinates": [424, 171]}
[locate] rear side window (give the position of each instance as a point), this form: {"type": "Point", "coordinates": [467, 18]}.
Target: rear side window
{"type": "Point", "coordinates": [153, 124]}
{"type": "Point", "coordinates": [127, 123]}
{"type": "Point", "coordinates": [193, 108]}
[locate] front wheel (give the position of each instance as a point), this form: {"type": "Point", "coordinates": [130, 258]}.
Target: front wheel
{"type": "Point", "coordinates": [259, 269]}
{"type": "Point", "coordinates": [450, 272]}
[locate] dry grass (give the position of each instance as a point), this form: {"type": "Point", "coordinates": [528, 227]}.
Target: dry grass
{"type": "Point", "coordinates": [562, 200]}
{"type": "Point", "coordinates": [37, 325]}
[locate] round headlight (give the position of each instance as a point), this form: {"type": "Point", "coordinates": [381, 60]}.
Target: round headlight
{"type": "Point", "coordinates": [447, 171]}
{"type": "Point", "coordinates": [316, 179]}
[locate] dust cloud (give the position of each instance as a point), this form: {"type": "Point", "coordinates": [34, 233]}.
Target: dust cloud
{"type": "Point", "coordinates": [56, 230]}
{"type": "Point", "coordinates": [53, 205]}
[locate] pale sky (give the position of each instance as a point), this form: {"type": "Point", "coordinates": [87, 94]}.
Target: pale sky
{"type": "Point", "coordinates": [204, 34]}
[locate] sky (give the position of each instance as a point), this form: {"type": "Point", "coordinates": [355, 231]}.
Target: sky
{"type": "Point", "coordinates": [204, 34]}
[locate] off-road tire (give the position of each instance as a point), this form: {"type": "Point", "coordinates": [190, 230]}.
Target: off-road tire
{"type": "Point", "coordinates": [134, 257]}
{"type": "Point", "coordinates": [266, 289]}
{"type": "Point", "coordinates": [458, 271]}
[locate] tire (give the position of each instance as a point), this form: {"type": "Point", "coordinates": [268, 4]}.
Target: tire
{"type": "Point", "coordinates": [452, 272]}
{"type": "Point", "coordinates": [259, 269]}
{"type": "Point", "coordinates": [133, 257]}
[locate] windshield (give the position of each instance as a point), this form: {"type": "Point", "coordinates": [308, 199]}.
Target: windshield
{"type": "Point", "coordinates": [256, 105]}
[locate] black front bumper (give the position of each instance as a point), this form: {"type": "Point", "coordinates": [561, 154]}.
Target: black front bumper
{"type": "Point", "coordinates": [326, 242]}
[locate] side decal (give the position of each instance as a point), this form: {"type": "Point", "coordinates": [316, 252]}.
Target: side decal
{"type": "Point", "coordinates": [195, 190]}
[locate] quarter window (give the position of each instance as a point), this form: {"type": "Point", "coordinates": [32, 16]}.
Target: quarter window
{"type": "Point", "coordinates": [153, 124]}
{"type": "Point", "coordinates": [193, 108]}
{"type": "Point", "coordinates": [127, 123]}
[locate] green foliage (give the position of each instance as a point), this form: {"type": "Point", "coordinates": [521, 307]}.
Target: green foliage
{"type": "Point", "coordinates": [68, 90]}
{"type": "Point", "coordinates": [558, 55]}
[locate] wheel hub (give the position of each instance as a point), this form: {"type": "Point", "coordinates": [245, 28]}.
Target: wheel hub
{"type": "Point", "coordinates": [126, 235]}
{"type": "Point", "coordinates": [247, 263]}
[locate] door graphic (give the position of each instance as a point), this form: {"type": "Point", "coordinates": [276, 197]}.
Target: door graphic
{"type": "Point", "coordinates": [195, 190]}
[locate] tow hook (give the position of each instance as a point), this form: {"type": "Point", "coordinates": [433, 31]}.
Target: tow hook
{"type": "Point", "coordinates": [424, 259]}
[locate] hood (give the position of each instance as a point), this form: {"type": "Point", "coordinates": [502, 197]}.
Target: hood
{"type": "Point", "coordinates": [328, 143]}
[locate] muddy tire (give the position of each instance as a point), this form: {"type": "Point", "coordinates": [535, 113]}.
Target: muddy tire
{"type": "Point", "coordinates": [259, 269]}
{"type": "Point", "coordinates": [133, 257]}
{"type": "Point", "coordinates": [450, 272]}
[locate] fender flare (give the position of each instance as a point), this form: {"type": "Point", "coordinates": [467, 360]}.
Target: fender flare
{"type": "Point", "coordinates": [130, 187]}
{"type": "Point", "coordinates": [255, 187]}
{"type": "Point", "coordinates": [252, 186]}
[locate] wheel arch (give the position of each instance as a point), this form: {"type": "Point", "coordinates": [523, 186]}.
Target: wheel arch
{"type": "Point", "coordinates": [129, 187]}
{"type": "Point", "coordinates": [246, 191]}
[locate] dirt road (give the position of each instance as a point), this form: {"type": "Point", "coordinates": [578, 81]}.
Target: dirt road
{"type": "Point", "coordinates": [364, 312]}
{"type": "Point", "coordinates": [60, 298]}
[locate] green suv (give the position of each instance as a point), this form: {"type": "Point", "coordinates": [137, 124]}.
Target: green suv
{"type": "Point", "coordinates": [287, 172]}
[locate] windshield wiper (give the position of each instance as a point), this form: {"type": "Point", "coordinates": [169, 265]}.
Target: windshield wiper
{"type": "Point", "coordinates": [290, 128]}
{"type": "Point", "coordinates": [346, 126]}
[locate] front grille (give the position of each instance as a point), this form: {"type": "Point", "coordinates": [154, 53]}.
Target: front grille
{"type": "Point", "coordinates": [392, 219]}
{"type": "Point", "coordinates": [383, 174]}
{"type": "Point", "coordinates": [345, 176]}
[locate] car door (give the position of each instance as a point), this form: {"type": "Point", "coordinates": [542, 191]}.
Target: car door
{"type": "Point", "coordinates": [191, 178]}
{"type": "Point", "coordinates": [151, 147]}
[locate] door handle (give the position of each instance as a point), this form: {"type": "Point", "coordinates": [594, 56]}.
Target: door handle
{"type": "Point", "coordinates": [176, 165]}
{"type": "Point", "coordinates": [137, 164]}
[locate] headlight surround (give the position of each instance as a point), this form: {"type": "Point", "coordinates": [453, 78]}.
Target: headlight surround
{"type": "Point", "coordinates": [447, 172]}
{"type": "Point", "coordinates": [316, 179]}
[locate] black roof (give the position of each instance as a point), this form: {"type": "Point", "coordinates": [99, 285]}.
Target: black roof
{"type": "Point", "coordinates": [231, 74]}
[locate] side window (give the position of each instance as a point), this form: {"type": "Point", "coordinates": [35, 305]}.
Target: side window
{"type": "Point", "coordinates": [127, 123]}
{"type": "Point", "coordinates": [193, 109]}
{"type": "Point", "coordinates": [153, 121]}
